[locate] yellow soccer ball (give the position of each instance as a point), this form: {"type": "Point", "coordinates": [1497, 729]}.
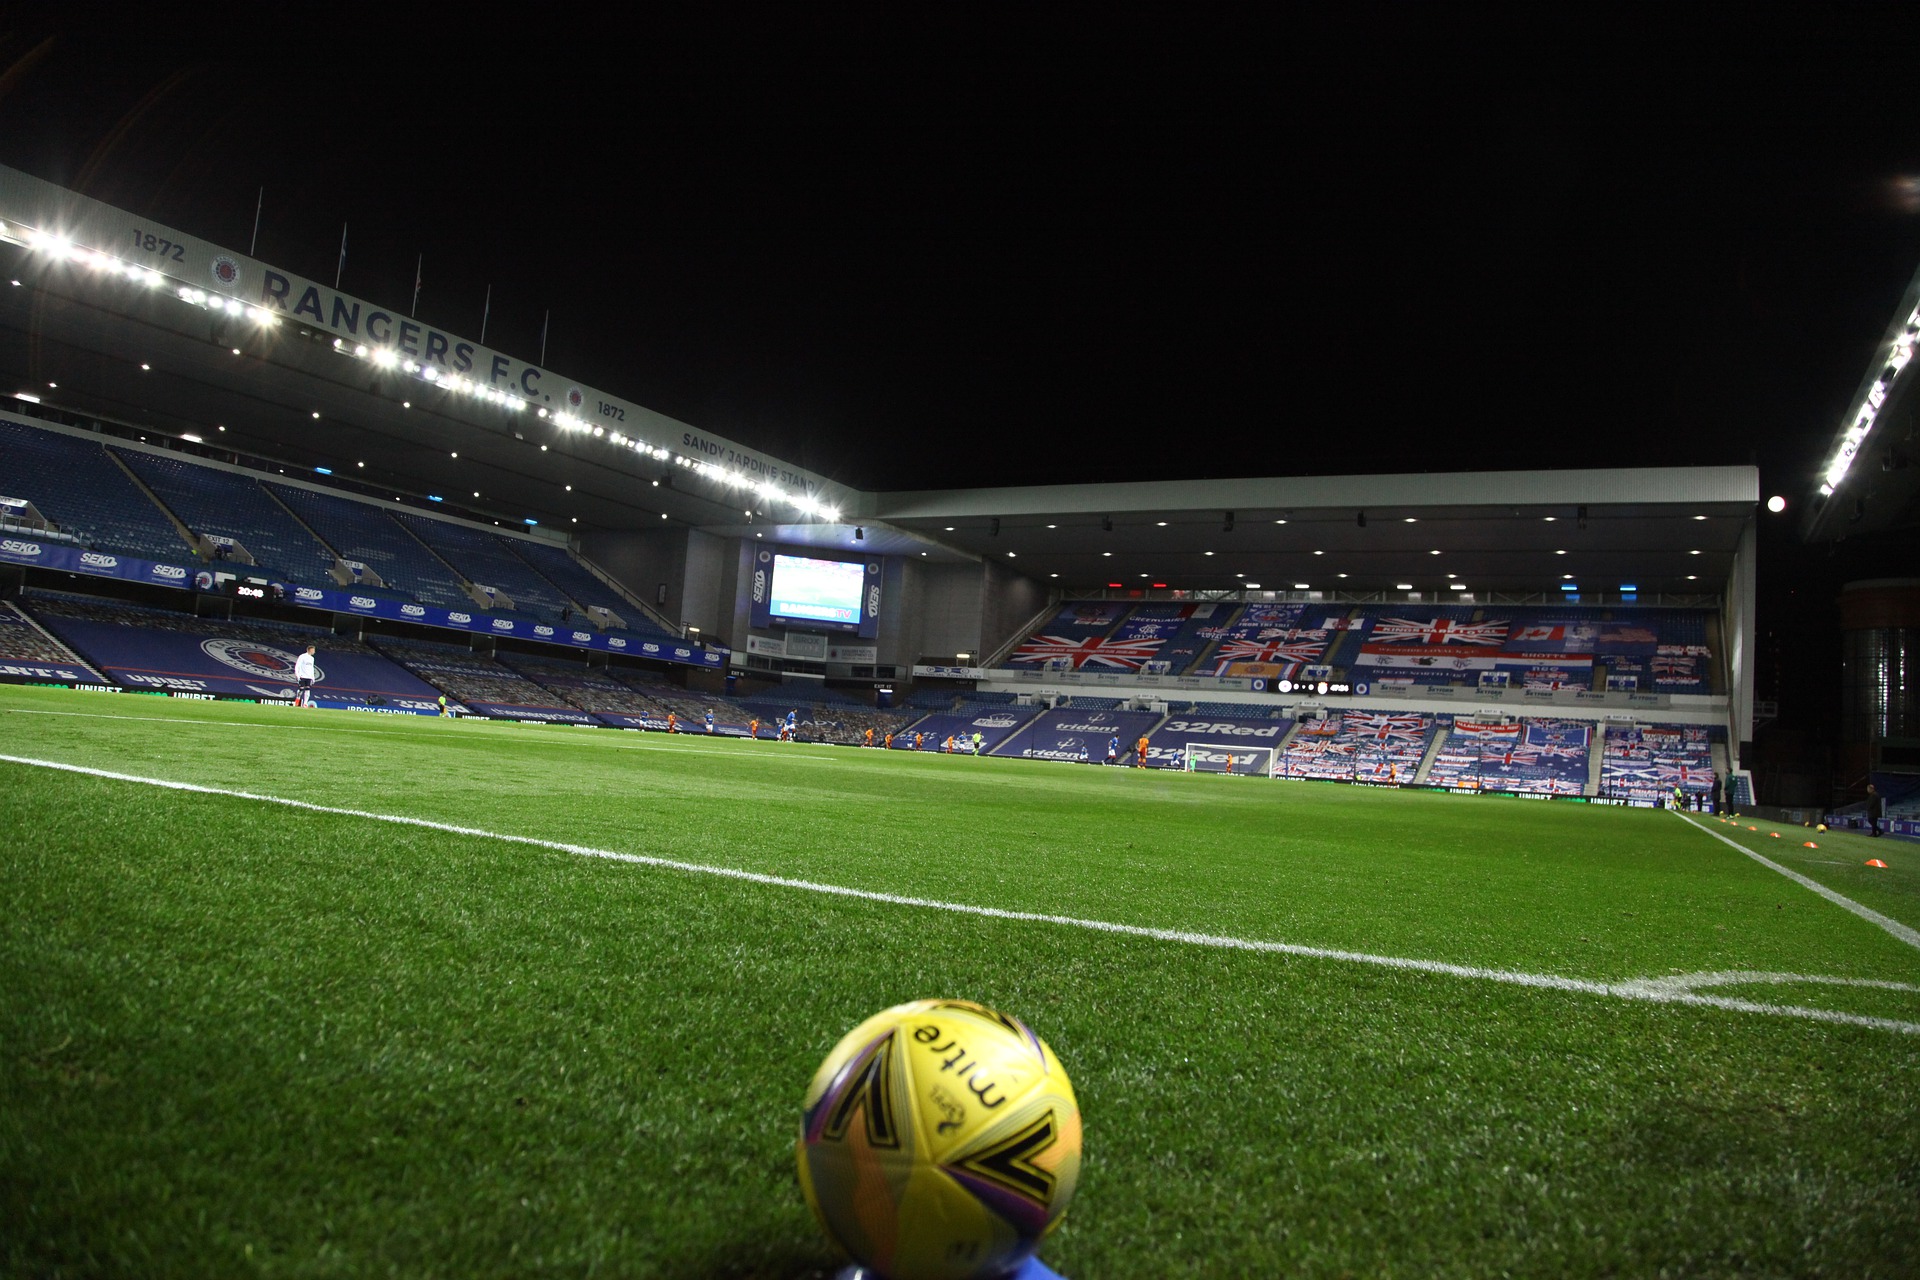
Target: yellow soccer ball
{"type": "Point", "coordinates": [1823, 826]}
{"type": "Point", "coordinates": [940, 1141]}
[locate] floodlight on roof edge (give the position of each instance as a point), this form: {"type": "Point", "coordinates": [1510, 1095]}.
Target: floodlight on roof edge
{"type": "Point", "coordinates": [1895, 353]}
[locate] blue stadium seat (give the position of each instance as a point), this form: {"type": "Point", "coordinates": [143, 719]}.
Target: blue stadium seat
{"type": "Point", "coordinates": [362, 531]}
{"type": "Point", "coordinates": [76, 485]}
{"type": "Point", "coordinates": [209, 500]}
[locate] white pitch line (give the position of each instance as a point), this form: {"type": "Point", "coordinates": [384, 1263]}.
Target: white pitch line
{"type": "Point", "coordinates": [398, 726]}
{"type": "Point", "coordinates": [1650, 991]}
{"type": "Point", "coordinates": [1892, 926]}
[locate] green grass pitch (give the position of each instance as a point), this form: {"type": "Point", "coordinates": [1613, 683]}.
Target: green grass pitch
{"type": "Point", "coordinates": [241, 1038]}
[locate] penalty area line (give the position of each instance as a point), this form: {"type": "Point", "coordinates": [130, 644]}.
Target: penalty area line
{"type": "Point", "coordinates": [1841, 900]}
{"type": "Point", "coordinates": [1643, 990]}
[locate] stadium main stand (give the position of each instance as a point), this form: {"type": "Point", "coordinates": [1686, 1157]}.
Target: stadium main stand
{"type": "Point", "coordinates": [215, 503]}
{"type": "Point", "coordinates": [1359, 746]}
{"type": "Point", "coordinates": [29, 655]}
{"type": "Point", "coordinates": [1535, 756]}
{"type": "Point", "coordinates": [1070, 733]}
{"type": "Point", "coordinates": [485, 687]}
{"type": "Point", "coordinates": [1166, 746]}
{"type": "Point", "coordinates": [481, 557]}
{"type": "Point", "coordinates": [78, 486]}
{"type": "Point", "coordinates": [579, 584]}
{"type": "Point", "coordinates": [361, 531]}
{"type": "Point", "coordinates": [138, 647]}
{"type": "Point", "coordinates": [1648, 763]}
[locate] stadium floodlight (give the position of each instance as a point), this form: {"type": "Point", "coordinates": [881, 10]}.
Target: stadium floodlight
{"type": "Point", "coordinates": [1776, 504]}
{"type": "Point", "coordinates": [360, 349]}
{"type": "Point", "coordinates": [1403, 586]}
{"type": "Point", "coordinates": [1302, 586]}
{"type": "Point", "coordinates": [384, 357]}
{"type": "Point", "coordinates": [232, 306]}
{"type": "Point", "coordinates": [263, 317]}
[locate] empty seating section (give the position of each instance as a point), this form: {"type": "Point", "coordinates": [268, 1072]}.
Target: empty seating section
{"type": "Point", "coordinates": [1359, 746]}
{"type": "Point", "coordinates": [579, 584]}
{"type": "Point", "coordinates": [363, 532]}
{"type": "Point", "coordinates": [480, 557]}
{"type": "Point", "coordinates": [1239, 710]}
{"type": "Point", "coordinates": [1075, 733]}
{"type": "Point", "coordinates": [1534, 756]}
{"type": "Point", "coordinates": [469, 677]}
{"type": "Point", "coordinates": [22, 642]}
{"type": "Point", "coordinates": [145, 648]}
{"type": "Point", "coordinates": [1647, 762]}
{"type": "Point", "coordinates": [210, 501]}
{"type": "Point", "coordinates": [77, 486]}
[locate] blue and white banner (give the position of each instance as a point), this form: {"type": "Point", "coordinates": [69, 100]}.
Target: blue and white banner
{"type": "Point", "coordinates": [66, 558]}
{"type": "Point", "coordinates": [519, 628]}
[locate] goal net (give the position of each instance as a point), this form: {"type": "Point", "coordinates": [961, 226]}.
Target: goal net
{"type": "Point", "coordinates": [1239, 757]}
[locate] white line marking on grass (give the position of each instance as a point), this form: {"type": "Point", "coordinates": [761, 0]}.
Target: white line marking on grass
{"type": "Point", "coordinates": [1653, 991]}
{"type": "Point", "coordinates": [395, 725]}
{"type": "Point", "coordinates": [1892, 926]}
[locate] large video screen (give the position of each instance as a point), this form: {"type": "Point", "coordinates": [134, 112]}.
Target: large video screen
{"type": "Point", "coordinates": [809, 590]}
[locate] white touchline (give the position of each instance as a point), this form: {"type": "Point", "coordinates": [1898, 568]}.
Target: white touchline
{"type": "Point", "coordinates": [616, 744]}
{"type": "Point", "coordinates": [1909, 936]}
{"type": "Point", "coordinates": [1652, 991]}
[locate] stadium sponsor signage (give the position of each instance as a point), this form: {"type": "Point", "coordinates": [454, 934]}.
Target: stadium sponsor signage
{"type": "Point", "coordinates": [1226, 728]}
{"type": "Point", "coordinates": [41, 671]}
{"type": "Point", "coordinates": [954, 673]}
{"type": "Point", "coordinates": [712, 656]}
{"type": "Point", "coordinates": [70, 559]}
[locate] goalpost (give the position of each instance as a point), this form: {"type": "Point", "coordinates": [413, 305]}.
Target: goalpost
{"type": "Point", "coordinates": [1238, 758]}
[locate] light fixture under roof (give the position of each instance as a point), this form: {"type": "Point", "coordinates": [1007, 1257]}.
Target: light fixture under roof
{"type": "Point", "coordinates": [1403, 586]}
{"type": "Point", "coordinates": [1301, 586]}
{"type": "Point", "coordinates": [1409, 520]}
{"type": "Point", "coordinates": [1699, 517]}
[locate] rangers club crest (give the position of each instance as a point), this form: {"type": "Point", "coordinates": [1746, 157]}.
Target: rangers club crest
{"type": "Point", "coordinates": [226, 272]}
{"type": "Point", "coordinates": [262, 661]}
{"type": "Point", "coordinates": [575, 398]}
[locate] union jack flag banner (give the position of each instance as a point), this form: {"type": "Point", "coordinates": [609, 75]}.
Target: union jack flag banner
{"type": "Point", "coordinates": [1440, 631]}
{"type": "Point", "coordinates": [1633, 774]}
{"type": "Point", "coordinates": [1487, 730]}
{"type": "Point", "coordinates": [1668, 667]}
{"type": "Point", "coordinates": [1568, 735]}
{"type": "Point", "coordinates": [1124, 655]}
{"type": "Point", "coordinates": [1288, 646]}
{"type": "Point", "coordinates": [1385, 726]}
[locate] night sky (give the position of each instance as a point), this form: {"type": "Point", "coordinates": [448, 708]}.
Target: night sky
{"type": "Point", "coordinates": [990, 249]}
{"type": "Point", "coordinates": [983, 251]}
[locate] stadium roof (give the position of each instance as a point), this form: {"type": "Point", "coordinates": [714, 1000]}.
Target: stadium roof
{"type": "Point", "coordinates": [181, 350]}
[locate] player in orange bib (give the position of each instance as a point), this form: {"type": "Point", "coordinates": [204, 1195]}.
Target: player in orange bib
{"type": "Point", "coordinates": [888, 744]}
{"type": "Point", "coordinates": [753, 727]}
{"type": "Point", "coordinates": [916, 742]}
{"type": "Point", "coordinates": [949, 744]}
{"type": "Point", "coordinates": [869, 737]}
{"type": "Point", "coordinates": [673, 723]}
{"type": "Point", "coordinates": [1141, 747]}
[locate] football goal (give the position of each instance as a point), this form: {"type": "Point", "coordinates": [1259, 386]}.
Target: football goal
{"type": "Point", "coordinates": [1239, 757]}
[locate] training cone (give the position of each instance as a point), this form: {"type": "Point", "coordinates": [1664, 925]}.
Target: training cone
{"type": "Point", "coordinates": [1774, 834]}
{"type": "Point", "coordinates": [1810, 845]}
{"type": "Point", "coordinates": [1753, 828]}
{"type": "Point", "coordinates": [1875, 862]}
